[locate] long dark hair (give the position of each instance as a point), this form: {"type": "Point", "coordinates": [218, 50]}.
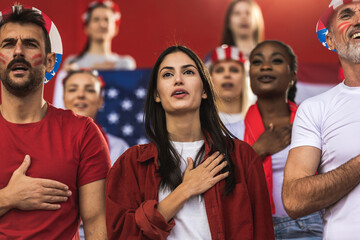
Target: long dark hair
{"type": "Point", "coordinates": [293, 64]}
{"type": "Point", "coordinates": [257, 17]}
{"type": "Point", "coordinates": [216, 134]}
{"type": "Point", "coordinates": [87, 20]}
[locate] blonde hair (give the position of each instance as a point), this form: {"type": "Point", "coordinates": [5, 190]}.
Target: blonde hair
{"type": "Point", "coordinates": [256, 17]}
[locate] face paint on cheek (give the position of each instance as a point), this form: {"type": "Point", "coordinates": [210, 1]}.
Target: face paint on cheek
{"type": "Point", "coordinates": [38, 63]}
{"type": "Point", "coordinates": [3, 58]}
{"type": "Point", "coordinates": [343, 26]}
{"type": "Point", "coordinates": [36, 56]}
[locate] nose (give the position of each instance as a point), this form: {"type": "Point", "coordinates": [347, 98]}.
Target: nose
{"type": "Point", "coordinates": [18, 51]}
{"type": "Point", "coordinates": [80, 94]}
{"type": "Point", "coordinates": [266, 66]}
{"type": "Point", "coordinates": [227, 73]}
{"type": "Point", "coordinates": [178, 79]}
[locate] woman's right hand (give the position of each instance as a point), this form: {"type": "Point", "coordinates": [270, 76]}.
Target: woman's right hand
{"type": "Point", "coordinates": [206, 175]}
{"type": "Point", "coordinates": [273, 140]}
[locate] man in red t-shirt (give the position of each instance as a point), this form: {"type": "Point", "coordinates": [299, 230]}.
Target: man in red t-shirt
{"type": "Point", "coordinates": [53, 162]}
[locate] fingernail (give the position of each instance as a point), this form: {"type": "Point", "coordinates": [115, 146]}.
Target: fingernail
{"type": "Point", "coordinates": [27, 158]}
{"type": "Point", "coordinates": [69, 193]}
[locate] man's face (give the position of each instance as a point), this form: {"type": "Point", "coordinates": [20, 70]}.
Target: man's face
{"type": "Point", "coordinates": [344, 34]}
{"type": "Point", "coordinates": [22, 58]}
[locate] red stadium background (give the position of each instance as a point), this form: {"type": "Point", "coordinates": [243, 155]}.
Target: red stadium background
{"type": "Point", "coordinates": [149, 26]}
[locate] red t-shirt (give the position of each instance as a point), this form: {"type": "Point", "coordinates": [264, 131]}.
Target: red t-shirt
{"type": "Point", "coordinates": [63, 147]}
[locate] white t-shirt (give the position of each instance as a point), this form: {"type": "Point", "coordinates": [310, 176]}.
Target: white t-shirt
{"type": "Point", "coordinates": [87, 61]}
{"type": "Point", "coordinates": [331, 123]}
{"type": "Point", "coordinates": [117, 147]}
{"type": "Point", "coordinates": [278, 161]}
{"type": "Point", "coordinates": [191, 220]}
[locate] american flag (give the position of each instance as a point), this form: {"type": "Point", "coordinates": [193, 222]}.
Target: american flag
{"type": "Point", "coordinates": [122, 112]}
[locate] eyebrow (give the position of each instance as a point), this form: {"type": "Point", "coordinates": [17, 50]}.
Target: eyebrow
{"type": "Point", "coordinates": [25, 40]}
{"type": "Point", "coordinates": [182, 67]}
{"type": "Point", "coordinates": [346, 10]}
{"type": "Point", "coordinates": [273, 54]}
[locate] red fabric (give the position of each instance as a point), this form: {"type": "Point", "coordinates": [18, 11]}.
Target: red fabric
{"type": "Point", "coordinates": [132, 196]}
{"type": "Point", "coordinates": [63, 147]}
{"type": "Point", "coordinates": [254, 127]}
{"type": "Point", "coordinates": [103, 133]}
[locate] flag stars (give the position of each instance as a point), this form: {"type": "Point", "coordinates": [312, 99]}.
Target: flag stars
{"type": "Point", "coordinates": [126, 105]}
{"type": "Point", "coordinates": [127, 130]}
{"type": "Point", "coordinates": [140, 93]}
{"type": "Point", "coordinates": [113, 118]}
{"type": "Point", "coordinates": [139, 117]}
{"type": "Point", "coordinates": [112, 93]}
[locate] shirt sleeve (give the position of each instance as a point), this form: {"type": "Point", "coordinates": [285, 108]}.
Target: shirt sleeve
{"type": "Point", "coordinates": [306, 127]}
{"type": "Point", "coordinates": [128, 214]}
{"type": "Point", "coordinates": [259, 197]}
{"type": "Point", "coordinates": [94, 157]}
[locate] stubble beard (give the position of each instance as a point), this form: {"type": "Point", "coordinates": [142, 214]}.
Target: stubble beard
{"type": "Point", "coordinates": [349, 51]}
{"type": "Point", "coordinates": [33, 82]}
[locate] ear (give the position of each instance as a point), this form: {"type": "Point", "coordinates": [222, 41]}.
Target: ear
{"type": "Point", "coordinates": [157, 97]}
{"type": "Point", "coordinates": [50, 61]}
{"type": "Point", "coordinates": [204, 95]}
{"type": "Point", "coordinates": [330, 40]}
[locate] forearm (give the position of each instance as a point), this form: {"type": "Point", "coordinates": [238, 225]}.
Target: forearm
{"type": "Point", "coordinates": [309, 194]}
{"type": "Point", "coordinates": [5, 205]}
{"type": "Point", "coordinates": [169, 206]}
{"type": "Point", "coordinates": [95, 229]}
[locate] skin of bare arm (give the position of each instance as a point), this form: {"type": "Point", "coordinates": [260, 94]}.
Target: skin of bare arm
{"type": "Point", "coordinates": [92, 209]}
{"type": "Point", "coordinates": [304, 192]}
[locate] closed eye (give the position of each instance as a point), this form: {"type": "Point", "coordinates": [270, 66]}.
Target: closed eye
{"type": "Point", "coordinates": [278, 61]}
{"type": "Point", "coordinates": [256, 62]}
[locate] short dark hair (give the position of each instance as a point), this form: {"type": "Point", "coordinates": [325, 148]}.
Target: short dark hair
{"type": "Point", "coordinates": [293, 63]}
{"type": "Point", "coordinates": [24, 16]}
{"type": "Point", "coordinates": [216, 134]}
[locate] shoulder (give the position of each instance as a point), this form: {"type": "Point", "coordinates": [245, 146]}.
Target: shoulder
{"type": "Point", "coordinates": [323, 98]}
{"type": "Point", "coordinates": [137, 154]}
{"type": "Point", "coordinates": [125, 62]}
{"type": "Point", "coordinates": [67, 119]}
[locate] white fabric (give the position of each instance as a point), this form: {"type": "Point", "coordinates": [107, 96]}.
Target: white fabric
{"type": "Point", "coordinates": [331, 123]}
{"type": "Point", "coordinates": [237, 129]}
{"type": "Point", "coordinates": [278, 165]}
{"type": "Point", "coordinates": [230, 117]}
{"type": "Point", "coordinates": [117, 147]}
{"type": "Point", "coordinates": [307, 90]}
{"type": "Point", "coordinates": [87, 61]}
{"type": "Point", "coordinates": [191, 221]}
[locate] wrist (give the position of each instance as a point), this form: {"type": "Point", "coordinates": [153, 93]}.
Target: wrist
{"type": "Point", "coordinates": [5, 200]}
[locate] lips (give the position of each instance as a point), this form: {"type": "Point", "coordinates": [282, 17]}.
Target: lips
{"type": "Point", "coordinates": [227, 85]}
{"type": "Point", "coordinates": [179, 92]}
{"type": "Point", "coordinates": [355, 35]}
{"type": "Point", "coordinates": [19, 66]}
{"type": "Point", "coordinates": [81, 105]}
{"type": "Point", "coordinates": [266, 78]}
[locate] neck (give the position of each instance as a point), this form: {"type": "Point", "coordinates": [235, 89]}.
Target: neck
{"type": "Point", "coordinates": [273, 107]}
{"type": "Point", "coordinates": [229, 106]}
{"type": "Point", "coordinates": [101, 47]}
{"type": "Point", "coordinates": [245, 44]}
{"type": "Point", "coordinates": [184, 128]}
{"type": "Point", "coordinates": [29, 109]}
{"type": "Point", "coordinates": [351, 72]}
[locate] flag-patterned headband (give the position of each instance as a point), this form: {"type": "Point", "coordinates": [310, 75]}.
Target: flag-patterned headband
{"type": "Point", "coordinates": [109, 4]}
{"type": "Point", "coordinates": [55, 39]}
{"type": "Point", "coordinates": [224, 52]}
{"type": "Point", "coordinates": [322, 24]}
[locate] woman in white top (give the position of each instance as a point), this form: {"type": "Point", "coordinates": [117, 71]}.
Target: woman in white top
{"type": "Point", "coordinates": [192, 173]}
{"type": "Point", "coordinates": [101, 23]}
{"type": "Point", "coordinates": [226, 65]}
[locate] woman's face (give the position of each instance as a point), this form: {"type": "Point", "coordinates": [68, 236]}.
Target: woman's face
{"type": "Point", "coordinates": [240, 22]}
{"type": "Point", "coordinates": [270, 72]}
{"type": "Point", "coordinates": [179, 85]}
{"type": "Point", "coordinates": [228, 77]}
{"type": "Point", "coordinates": [82, 94]}
{"type": "Point", "coordinates": [101, 25]}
